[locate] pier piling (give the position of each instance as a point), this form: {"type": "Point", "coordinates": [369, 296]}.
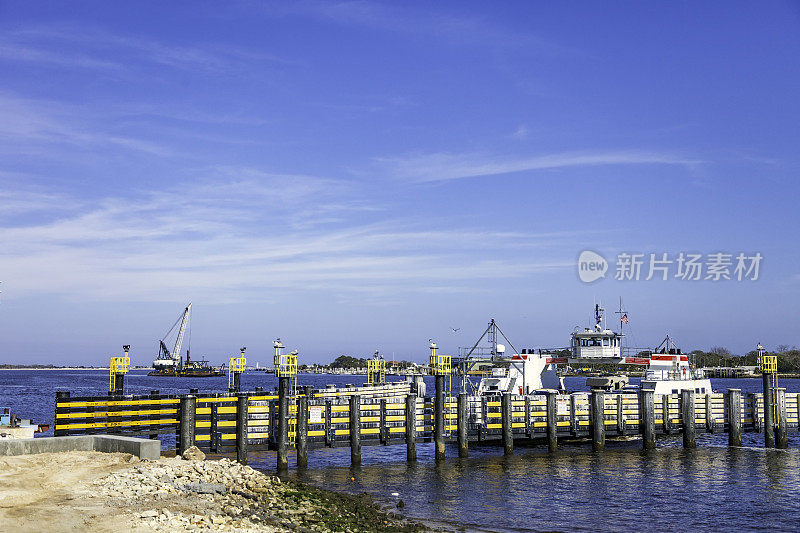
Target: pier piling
{"type": "Point", "coordinates": [241, 428]}
{"type": "Point", "coordinates": [61, 396]}
{"type": "Point", "coordinates": [283, 423]}
{"type": "Point", "coordinates": [781, 435]}
{"type": "Point", "coordinates": [461, 416]}
{"type": "Point", "coordinates": [552, 422]}
{"type": "Point", "coordinates": [648, 409]}
{"type": "Point", "coordinates": [411, 427]}
{"type": "Point", "coordinates": [687, 413]}
{"type": "Point", "coordinates": [188, 412]}
{"type": "Point", "coordinates": [438, 417]}
{"type": "Point", "coordinates": [598, 421]}
{"type": "Point", "coordinates": [769, 422]}
{"type": "Point", "coordinates": [505, 419]}
{"type": "Point", "coordinates": [302, 431]}
{"type": "Point", "coordinates": [734, 417]}
{"type": "Point", "coordinates": [355, 430]}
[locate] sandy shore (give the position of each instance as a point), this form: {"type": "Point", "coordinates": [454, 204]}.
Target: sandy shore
{"type": "Point", "coordinates": [92, 491]}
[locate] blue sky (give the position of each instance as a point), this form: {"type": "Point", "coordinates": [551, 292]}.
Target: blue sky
{"type": "Point", "coordinates": [354, 176]}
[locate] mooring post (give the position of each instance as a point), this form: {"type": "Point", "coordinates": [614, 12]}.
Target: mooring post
{"type": "Point", "coordinates": [438, 417]}
{"type": "Point", "coordinates": [648, 409]}
{"type": "Point", "coordinates": [242, 401]}
{"type": "Point", "coordinates": [552, 422]}
{"type": "Point", "coordinates": [411, 427]}
{"type": "Point", "coordinates": [462, 415]}
{"type": "Point", "coordinates": [188, 412]}
{"type": "Point", "coordinates": [734, 417]}
{"type": "Point", "coordinates": [355, 430]}
{"type": "Point", "coordinates": [769, 421]}
{"type": "Point", "coordinates": [598, 420]}
{"type": "Point", "coordinates": [505, 420]}
{"type": "Point", "coordinates": [61, 396]}
{"type": "Point", "coordinates": [302, 431]}
{"type": "Point", "coordinates": [687, 413]}
{"type": "Point", "coordinates": [781, 435]}
{"type": "Point", "coordinates": [283, 423]}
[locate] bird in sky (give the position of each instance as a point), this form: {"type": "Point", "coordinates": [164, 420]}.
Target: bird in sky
{"type": "Point", "coordinates": [456, 330]}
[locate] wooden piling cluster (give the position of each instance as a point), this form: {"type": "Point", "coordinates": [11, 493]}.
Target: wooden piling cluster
{"type": "Point", "coordinates": [243, 422]}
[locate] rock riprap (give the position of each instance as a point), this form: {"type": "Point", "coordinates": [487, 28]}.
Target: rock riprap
{"type": "Point", "coordinates": [223, 495]}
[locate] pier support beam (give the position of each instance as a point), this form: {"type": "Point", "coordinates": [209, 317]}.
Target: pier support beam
{"type": "Point", "coordinates": [241, 428]}
{"type": "Point", "coordinates": [734, 417]}
{"type": "Point", "coordinates": [302, 431]}
{"type": "Point", "coordinates": [463, 446]}
{"type": "Point", "coordinates": [505, 419]}
{"type": "Point", "coordinates": [769, 422]}
{"type": "Point", "coordinates": [648, 410]}
{"type": "Point", "coordinates": [411, 427]}
{"type": "Point", "coordinates": [61, 396]}
{"type": "Point", "coordinates": [781, 435]}
{"type": "Point", "coordinates": [438, 418]}
{"type": "Point", "coordinates": [687, 413]}
{"type": "Point", "coordinates": [598, 421]}
{"type": "Point", "coordinates": [283, 424]}
{"type": "Point", "coordinates": [666, 414]}
{"type": "Point", "coordinates": [188, 412]}
{"type": "Point", "coordinates": [355, 430]}
{"type": "Point", "coordinates": [154, 434]}
{"type": "Point", "coordinates": [552, 422]}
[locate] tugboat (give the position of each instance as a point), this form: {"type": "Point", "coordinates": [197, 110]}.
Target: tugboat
{"type": "Point", "coordinates": [169, 363]}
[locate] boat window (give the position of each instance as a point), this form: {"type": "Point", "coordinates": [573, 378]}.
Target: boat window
{"type": "Point", "coordinates": [674, 391]}
{"type": "Point", "coordinates": [697, 389]}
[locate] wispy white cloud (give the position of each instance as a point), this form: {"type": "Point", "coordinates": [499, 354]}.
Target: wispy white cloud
{"type": "Point", "coordinates": [447, 166]}
{"type": "Point", "coordinates": [90, 47]}
{"type": "Point", "coordinates": [456, 27]}
{"type": "Point", "coordinates": [237, 240]}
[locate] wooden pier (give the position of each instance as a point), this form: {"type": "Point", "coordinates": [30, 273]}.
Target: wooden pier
{"type": "Point", "coordinates": [250, 421]}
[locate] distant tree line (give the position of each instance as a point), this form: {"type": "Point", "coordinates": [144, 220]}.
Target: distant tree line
{"type": "Point", "coordinates": [788, 358]}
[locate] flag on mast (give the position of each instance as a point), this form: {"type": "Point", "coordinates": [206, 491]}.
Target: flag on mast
{"type": "Point", "coordinates": [624, 318]}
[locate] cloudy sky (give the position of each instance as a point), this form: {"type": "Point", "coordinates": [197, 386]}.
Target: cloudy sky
{"type": "Point", "coordinates": [353, 176]}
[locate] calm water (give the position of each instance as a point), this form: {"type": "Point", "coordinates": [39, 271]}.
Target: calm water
{"type": "Point", "coordinates": [623, 488]}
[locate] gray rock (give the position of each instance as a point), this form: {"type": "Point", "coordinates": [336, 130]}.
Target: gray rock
{"type": "Point", "coordinates": [205, 488]}
{"type": "Point", "coordinates": [152, 513]}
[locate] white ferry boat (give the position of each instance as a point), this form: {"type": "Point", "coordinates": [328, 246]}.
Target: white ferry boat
{"type": "Point", "coordinates": [668, 370]}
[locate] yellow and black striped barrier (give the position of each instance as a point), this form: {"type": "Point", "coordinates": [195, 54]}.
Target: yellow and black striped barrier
{"type": "Point", "coordinates": [228, 423]}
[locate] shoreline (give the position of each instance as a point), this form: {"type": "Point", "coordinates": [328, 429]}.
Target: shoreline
{"type": "Point", "coordinates": [105, 492]}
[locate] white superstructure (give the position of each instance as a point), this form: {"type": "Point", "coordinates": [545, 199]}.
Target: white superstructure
{"type": "Point", "coordinates": [669, 372]}
{"type": "Point", "coordinates": [521, 374]}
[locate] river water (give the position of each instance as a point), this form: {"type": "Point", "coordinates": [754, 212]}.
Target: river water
{"type": "Point", "coordinates": [623, 488]}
